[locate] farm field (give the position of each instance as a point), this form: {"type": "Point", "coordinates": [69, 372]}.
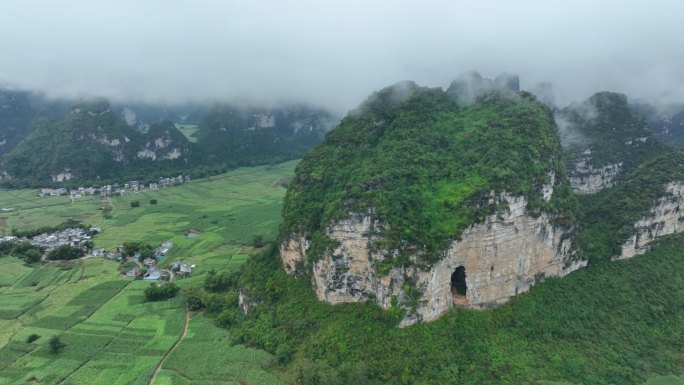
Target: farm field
{"type": "Point", "coordinates": [228, 209]}
{"type": "Point", "coordinates": [188, 130]}
{"type": "Point", "coordinates": [112, 335]}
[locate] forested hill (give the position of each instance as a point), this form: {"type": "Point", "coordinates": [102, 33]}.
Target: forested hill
{"type": "Point", "coordinates": [666, 120]}
{"type": "Point", "coordinates": [92, 143]}
{"type": "Point", "coordinates": [423, 164]}
{"type": "Point", "coordinates": [604, 140]}
{"type": "Point", "coordinates": [426, 163]}
{"type": "Point", "coordinates": [248, 135]}
{"type": "Point", "coordinates": [46, 142]}
{"type": "Point", "coordinates": [17, 111]}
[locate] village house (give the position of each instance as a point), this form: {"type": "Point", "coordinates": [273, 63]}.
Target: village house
{"type": "Point", "coordinates": [153, 274]}
{"type": "Point", "coordinates": [182, 268]}
{"type": "Point", "coordinates": [73, 237]}
{"type": "Point", "coordinates": [192, 233]}
{"type": "Point", "coordinates": [113, 256]}
{"type": "Point", "coordinates": [52, 192]}
{"type": "Point", "coordinates": [115, 189]}
{"type": "Point", "coordinates": [162, 250]}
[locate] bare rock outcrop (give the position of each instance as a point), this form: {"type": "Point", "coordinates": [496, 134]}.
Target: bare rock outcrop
{"type": "Point", "coordinates": [666, 217]}
{"type": "Point", "coordinates": [587, 179]}
{"type": "Point", "coordinates": [502, 257]}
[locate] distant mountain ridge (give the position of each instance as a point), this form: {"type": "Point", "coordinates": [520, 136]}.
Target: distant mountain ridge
{"type": "Point", "coordinates": [47, 142]}
{"type": "Point", "coordinates": [604, 140]}
{"type": "Point", "coordinates": [92, 143]}
{"type": "Point", "coordinates": [228, 133]}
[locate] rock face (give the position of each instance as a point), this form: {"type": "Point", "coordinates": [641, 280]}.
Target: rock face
{"type": "Point", "coordinates": [502, 257]}
{"type": "Point", "coordinates": [415, 202]}
{"type": "Point", "coordinates": [666, 218]}
{"type": "Point", "coordinates": [586, 179]}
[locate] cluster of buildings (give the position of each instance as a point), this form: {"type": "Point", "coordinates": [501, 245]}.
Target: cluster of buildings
{"type": "Point", "coordinates": [115, 189]}
{"type": "Point", "coordinates": [78, 237]}
{"type": "Point", "coordinates": [74, 237]}
{"type": "Point", "coordinates": [151, 271]}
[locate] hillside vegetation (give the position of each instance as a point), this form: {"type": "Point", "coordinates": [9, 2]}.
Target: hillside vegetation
{"type": "Point", "coordinates": [613, 323]}
{"type": "Point", "coordinates": [97, 143]}
{"type": "Point", "coordinates": [608, 217]}
{"type": "Point", "coordinates": [605, 130]}
{"type": "Point", "coordinates": [426, 167]}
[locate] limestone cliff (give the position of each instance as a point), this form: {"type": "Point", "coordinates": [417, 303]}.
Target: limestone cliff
{"type": "Point", "coordinates": [604, 141]}
{"type": "Point", "coordinates": [666, 218]}
{"type": "Point", "coordinates": [502, 257]}
{"type": "Point", "coordinates": [422, 201]}
{"type": "Point", "coordinates": [587, 179]}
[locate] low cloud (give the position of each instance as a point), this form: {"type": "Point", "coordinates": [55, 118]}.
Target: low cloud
{"type": "Point", "coordinates": [570, 135]}
{"type": "Point", "coordinates": [335, 53]}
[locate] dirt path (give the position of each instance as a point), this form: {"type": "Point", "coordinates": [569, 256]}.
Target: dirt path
{"type": "Point", "coordinates": [172, 275]}
{"type": "Point", "coordinates": [175, 345]}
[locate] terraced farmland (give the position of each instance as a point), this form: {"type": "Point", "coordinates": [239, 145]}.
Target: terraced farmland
{"type": "Point", "coordinates": [112, 335]}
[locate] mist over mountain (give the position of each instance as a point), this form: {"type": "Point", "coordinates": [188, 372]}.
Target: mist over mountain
{"type": "Point", "coordinates": [47, 141]}
{"type": "Point", "coordinates": [335, 53]}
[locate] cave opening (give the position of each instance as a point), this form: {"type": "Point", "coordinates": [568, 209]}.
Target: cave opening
{"type": "Point", "coordinates": [458, 282]}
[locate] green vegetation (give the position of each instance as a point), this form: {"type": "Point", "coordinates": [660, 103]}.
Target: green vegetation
{"type": "Point", "coordinates": [56, 345]}
{"type": "Point", "coordinates": [18, 111]}
{"type": "Point", "coordinates": [102, 135]}
{"type": "Point", "coordinates": [69, 223]}
{"type": "Point", "coordinates": [246, 201]}
{"type": "Point", "coordinates": [561, 330]}
{"type": "Point", "coordinates": [29, 253]}
{"type": "Point", "coordinates": [112, 334]}
{"type": "Point", "coordinates": [207, 357]}
{"type": "Point", "coordinates": [33, 337]}
{"type": "Point", "coordinates": [157, 292]}
{"type": "Point", "coordinates": [111, 151]}
{"type": "Point", "coordinates": [618, 323]}
{"type": "Point", "coordinates": [666, 380]}
{"type": "Point", "coordinates": [145, 250]}
{"type": "Point", "coordinates": [424, 167]}
{"type": "Point", "coordinates": [66, 252]}
{"type": "Point", "coordinates": [608, 217]}
{"type": "Point", "coordinates": [252, 136]}
{"type": "Point", "coordinates": [606, 125]}
{"type": "Point", "coordinates": [258, 241]}
{"type": "Point", "coordinates": [188, 130]}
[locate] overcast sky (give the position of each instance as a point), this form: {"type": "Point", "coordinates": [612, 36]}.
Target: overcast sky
{"type": "Point", "coordinates": [334, 53]}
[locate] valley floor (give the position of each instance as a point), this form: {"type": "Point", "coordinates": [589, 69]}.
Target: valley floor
{"type": "Point", "coordinates": [112, 335]}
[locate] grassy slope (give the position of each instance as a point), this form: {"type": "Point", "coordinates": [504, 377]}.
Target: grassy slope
{"type": "Point", "coordinates": [188, 130]}
{"type": "Point", "coordinates": [112, 336]}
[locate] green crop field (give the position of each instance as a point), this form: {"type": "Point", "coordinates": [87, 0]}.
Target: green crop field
{"type": "Point", "coordinates": [188, 130]}
{"type": "Point", "coordinates": [205, 358]}
{"type": "Point", "coordinates": [112, 335]}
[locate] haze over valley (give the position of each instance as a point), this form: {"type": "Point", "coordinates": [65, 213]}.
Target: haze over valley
{"type": "Point", "coordinates": [332, 193]}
